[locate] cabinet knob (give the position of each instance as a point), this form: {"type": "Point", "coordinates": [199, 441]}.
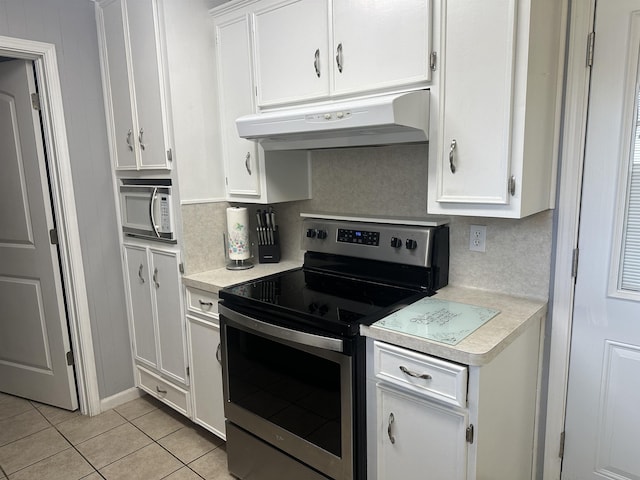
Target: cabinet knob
{"type": "Point", "coordinates": [406, 371]}
{"type": "Point", "coordinates": [452, 155]}
{"type": "Point", "coordinates": [155, 278]}
{"type": "Point", "coordinates": [316, 62]}
{"type": "Point", "coordinates": [218, 355]}
{"type": "Point", "coordinates": [392, 419]}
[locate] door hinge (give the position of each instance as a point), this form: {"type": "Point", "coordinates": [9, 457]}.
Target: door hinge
{"type": "Point", "coordinates": [561, 450]}
{"type": "Point", "coordinates": [188, 371]}
{"type": "Point", "coordinates": [181, 267]}
{"type": "Point", "coordinates": [53, 236]}
{"type": "Point", "coordinates": [35, 101]}
{"type": "Point", "coordinates": [170, 155]}
{"type": "Point", "coordinates": [70, 358]}
{"type": "Point", "coordinates": [469, 434]}
{"type": "Point", "coordinates": [433, 59]}
{"type": "Point", "coordinates": [591, 40]}
{"type": "Point", "coordinates": [574, 263]}
{"type": "Point", "coordinates": [226, 181]}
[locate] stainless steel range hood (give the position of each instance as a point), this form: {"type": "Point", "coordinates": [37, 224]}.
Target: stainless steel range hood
{"type": "Point", "coordinates": [381, 120]}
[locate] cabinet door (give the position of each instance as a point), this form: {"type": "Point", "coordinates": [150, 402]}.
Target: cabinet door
{"type": "Point", "coordinates": [476, 98]}
{"type": "Point", "coordinates": [206, 374]}
{"type": "Point", "coordinates": [380, 44]}
{"type": "Point", "coordinates": [167, 288]}
{"type": "Point", "coordinates": [138, 283]}
{"type": "Point", "coordinates": [235, 84]}
{"type": "Point", "coordinates": [419, 439]}
{"type": "Point", "coordinates": [120, 94]}
{"type": "Point", "coordinates": [147, 72]}
{"type": "Point", "coordinates": [292, 51]}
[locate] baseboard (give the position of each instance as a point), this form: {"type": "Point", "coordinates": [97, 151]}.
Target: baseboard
{"type": "Point", "coordinates": [120, 398]}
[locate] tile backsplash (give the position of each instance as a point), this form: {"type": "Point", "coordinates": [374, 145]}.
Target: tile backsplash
{"type": "Point", "coordinates": [391, 180]}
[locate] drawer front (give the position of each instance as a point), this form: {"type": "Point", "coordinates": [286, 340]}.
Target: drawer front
{"type": "Point", "coordinates": [202, 303]}
{"type": "Point", "coordinates": [174, 396]}
{"type": "Point", "coordinates": [421, 374]}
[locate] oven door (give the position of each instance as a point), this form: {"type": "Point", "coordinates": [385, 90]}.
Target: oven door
{"type": "Point", "coordinates": [292, 389]}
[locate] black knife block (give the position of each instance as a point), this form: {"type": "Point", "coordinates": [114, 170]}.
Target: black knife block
{"type": "Point", "coordinates": [270, 253]}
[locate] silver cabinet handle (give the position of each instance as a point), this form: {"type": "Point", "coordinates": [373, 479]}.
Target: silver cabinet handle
{"type": "Point", "coordinates": [218, 355]}
{"type": "Point", "coordinates": [140, 273]}
{"type": "Point", "coordinates": [205, 304]}
{"type": "Point", "coordinates": [391, 420]}
{"type": "Point", "coordinates": [155, 278]}
{"type": "Point", "coordinates": [140, 134]}
{"type": "Point", "coordinates": [129, 133]}
{"type": "Point", "coordinates": [452, 149]}
{"type": "Point", "coordinates": [406, 371]}
{"type": "Point", "coordinates": [339, 57]}
{"type": "Point", "coordinates": [316, 62]}
{"type": "Point", "coordinates": [162, 392]}
{"type": "Point", "coordinates": [247, 162]}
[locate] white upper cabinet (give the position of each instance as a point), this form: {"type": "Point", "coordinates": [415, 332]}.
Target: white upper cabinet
{"type": "Point", "coordinates": [498, 93]}
{"type": "Point", "coordinates": [315, 49]}
{"type": "Point", "coordinates": [292, 51]}
{"type": "Point", "coordinates": [380, 44]}
{"type": "Point", "coordinates": [135, 84]}
{"type": "Point", "coordinates": [235, 84]}
{"type": "Point", "coordinates": [252, 175]}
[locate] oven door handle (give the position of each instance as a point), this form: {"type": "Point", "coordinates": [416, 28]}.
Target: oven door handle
{"type": "Point", "coordinates": [293, 336]}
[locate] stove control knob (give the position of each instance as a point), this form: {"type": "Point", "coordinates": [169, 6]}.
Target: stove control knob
{"type": "Point", "coordinates": [411, 244]}
{"type": "Point", "coordinates": [323, 309]}
{"type": "Point", "coordinates": [396, 242]}
{"type": "Point", "coordinates": [321, 234]}
{"type": "Point", "coordinates": [311, 233]}
{"type": "Point", "coordinates": [313, 306]}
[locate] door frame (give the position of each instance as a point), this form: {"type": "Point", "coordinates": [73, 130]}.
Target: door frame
{"type": "Point", "coordinates": [567, 220]}
{"type": "Point", "coordinates": [61, 185]}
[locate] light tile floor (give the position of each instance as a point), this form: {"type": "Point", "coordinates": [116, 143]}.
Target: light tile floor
{"type": "Point", "coordinates": [140, 440]}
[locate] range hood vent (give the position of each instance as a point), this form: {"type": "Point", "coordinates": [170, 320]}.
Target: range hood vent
{"type": "Point", "coordinates": [382, 120]}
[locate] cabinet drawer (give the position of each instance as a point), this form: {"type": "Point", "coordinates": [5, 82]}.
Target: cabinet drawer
{"type": "Point", "coordinates": [174, 396]}
{"type": "Point", "coordinates": [203, 303]}
{"type": "Point", "coordinates": [421, 374]}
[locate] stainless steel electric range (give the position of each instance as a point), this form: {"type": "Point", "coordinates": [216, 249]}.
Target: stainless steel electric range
{"type": "Point", "coordinates": [293, 359]}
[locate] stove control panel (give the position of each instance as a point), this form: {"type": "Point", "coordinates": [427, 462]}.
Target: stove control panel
{"type": "Point", "coordinates": [406, 244]}
{"type": "Point", "coordinates": [358, 236]}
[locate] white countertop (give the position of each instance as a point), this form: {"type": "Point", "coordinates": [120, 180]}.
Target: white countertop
{"type": "Point", "coordinates": [480, 347]}
{"type": "Point", "coordinates": [213, 280]}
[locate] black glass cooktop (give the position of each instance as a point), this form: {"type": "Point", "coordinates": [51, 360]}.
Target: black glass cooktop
{"type": "Point", "coordinates": [319, 301]}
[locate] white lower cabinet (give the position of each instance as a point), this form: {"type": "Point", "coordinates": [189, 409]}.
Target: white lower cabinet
{"type": "Point", "coordinates": [203, 336]}
{"type": "Point", "coordinates": [154, 296]}
{"type": "Point", "coordinates": [429, 418]}
{"type": "Point", "coordinates": [417, 435]}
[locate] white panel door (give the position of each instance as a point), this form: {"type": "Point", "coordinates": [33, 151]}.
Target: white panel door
{"type": "Point", "coordinates": [34, 336]}
{"type": "Point", "coordinates": [167, 285]}
{"type": "Point", "coordinates": [602, 416]}
{"type": "Point", "coordinates": [138, 284]}
{"type": "Point", "coordinates": [121, 100]}
{"type": "Point", "coordinates": [235, 84]}
{"type": "Point", "coordinates": [292, 51]}
{"type": "Point", "coordinates": [379, 44]}
{"type": "Point", "coordinates": [146, 64]}
{"type": "Point", "coordinates": [476, 101]}
{"type": "Point", "coordinates": [419, 439]}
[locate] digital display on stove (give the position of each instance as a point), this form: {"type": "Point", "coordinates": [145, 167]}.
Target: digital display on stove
{"type": "Point", "coordinates": [361, 237]}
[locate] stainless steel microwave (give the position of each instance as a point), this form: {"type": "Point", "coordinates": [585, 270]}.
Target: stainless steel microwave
{"type": "Point", "coordinates": [146, 209]}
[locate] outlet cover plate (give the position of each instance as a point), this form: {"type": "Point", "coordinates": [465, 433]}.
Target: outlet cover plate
{"type": "Point", "coordinates": [477, 238]}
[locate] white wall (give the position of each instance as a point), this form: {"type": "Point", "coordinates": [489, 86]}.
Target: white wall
{"type": "Point", "coordinates": [70, 25]}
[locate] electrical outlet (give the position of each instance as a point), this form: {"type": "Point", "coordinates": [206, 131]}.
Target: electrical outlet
{"type": "Point", "coordinates": [477, 238]}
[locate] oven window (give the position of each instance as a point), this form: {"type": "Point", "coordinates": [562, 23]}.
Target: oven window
{"type": "Point", "coordinates": [297, 391]}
